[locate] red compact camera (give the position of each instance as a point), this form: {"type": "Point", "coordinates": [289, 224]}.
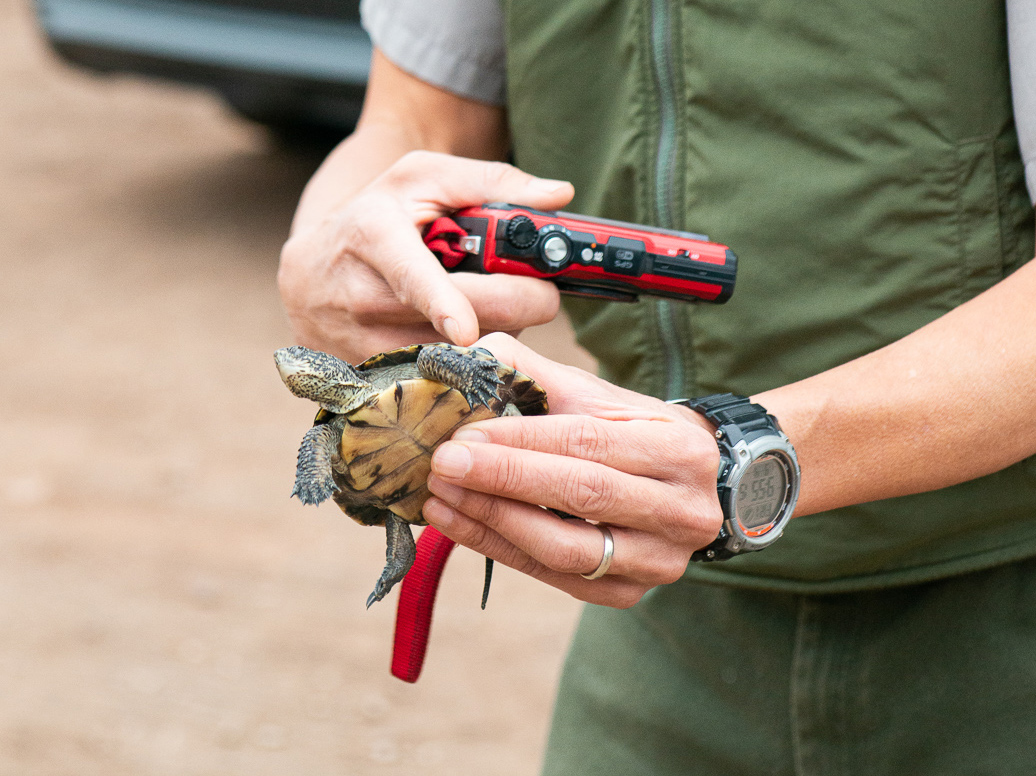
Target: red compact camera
{"type": "Point", "coordinates": [585, 256]}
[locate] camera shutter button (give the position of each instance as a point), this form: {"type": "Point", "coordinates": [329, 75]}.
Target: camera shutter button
{"type": "Point", "coordinates": [556, 250]}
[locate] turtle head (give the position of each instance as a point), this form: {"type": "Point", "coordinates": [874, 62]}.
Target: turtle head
{"type": "Point", "coordinates": [332, 383]}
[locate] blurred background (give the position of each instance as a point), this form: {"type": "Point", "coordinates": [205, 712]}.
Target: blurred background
{"type": "Point", "coordinates": [164, 607]}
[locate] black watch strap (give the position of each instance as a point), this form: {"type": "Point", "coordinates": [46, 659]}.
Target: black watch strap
{"type": "Point", "coordinates": [729, 408]}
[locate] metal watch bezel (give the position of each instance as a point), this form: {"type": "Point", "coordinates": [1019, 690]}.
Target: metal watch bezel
{"type": "Point", "coordinates": [742, 456]}
{"type": "Point", "coordinates": [746, 434]}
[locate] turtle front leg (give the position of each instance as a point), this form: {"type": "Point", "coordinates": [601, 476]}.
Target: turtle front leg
{"type": "Point", "coordinates": [400, 552]}
{"type": "Point", "coordinates": [472, 371]}
{"type": "Point", "coordinates": [314, 482]}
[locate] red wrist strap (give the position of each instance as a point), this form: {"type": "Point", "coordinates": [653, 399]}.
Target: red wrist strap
{"type": "Point", "coordinates": [441, 237]}
{"type": "Point", "coordinates": [416, 599]}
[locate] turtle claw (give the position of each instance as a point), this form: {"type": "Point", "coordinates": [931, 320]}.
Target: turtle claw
{"type": "Point", "coordinates": [313, 492]}
{"type": "Point", "coordinates": [483, 388]}
{"type": "Point", "coordinates": [380, 591]}
{"type": "Point", "coordinates": [388, 580]}
{"type": "Point", "coordinates": [400, 551]}
{"type": "Point", "coordinates": [482, 380]}
{"type": "Point", "coordinates": [472, 371]}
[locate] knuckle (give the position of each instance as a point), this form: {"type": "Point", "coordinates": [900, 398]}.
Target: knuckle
{"type": "Point", "coordinates": [291, 251]}
{"type": "Point", "coordinates": [405, 284]}
{"type": "Point", "coordinates": [677, 520]}
{"type": "Point", "coordinates": [587, 440]}
{"type": "Point", "coordinates": [685, 452]}
{"type": "Point", "coordinates": [358, 227]}
{"type": "Point", "coordinates": [489, 510]}
{"type": "Point", "coordinates": [500, 308]}
{"type": "Point", "coordinates": [287, 284]}
{"type": "Point", "coordinates": [626, 596]}
{"type": "Point", "coordinates": [473, 534]}
{"type": "Point", "coordinates": [700, 451]}
{"type": "Point", "coordinates": [568, 557]}
{"type": "Point", "coordinates": [295, 269]}
{"type": "Point", "coordinates": [670, 571]}
{"type": "Point", "coordinates": [496, 342]}
{"type": "Point", "coordinates": [514, 302]}
{"type": "Point", "coordinates": [526, 564]}
{"type": "Point", "coordinates": [507, 475]}
{"type": "Point", "coordinates": [710, 522]}
{"type": "Point", "coordinates": [410, 167]}
{"type": "Point", "coordinates": [496, 173]}
{"type": "Point", "coordinates": [587, 494]}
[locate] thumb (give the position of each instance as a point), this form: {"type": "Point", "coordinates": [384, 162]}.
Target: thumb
{"type": "Point", "coordinates": [506, 183]}
{"type": "Point", "coordinates": [447, 182]}
{"type": "Point", "coordinates": [568, 388]}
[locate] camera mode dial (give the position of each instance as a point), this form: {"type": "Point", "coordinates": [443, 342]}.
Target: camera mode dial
{"type": "Point", "coordinates": [521, 232]}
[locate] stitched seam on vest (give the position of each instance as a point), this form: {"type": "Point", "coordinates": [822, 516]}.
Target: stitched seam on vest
{"type": "Point", "coordinates": [682, 314]}
{"type": "Point", "coordinates": [656, 371]}
{"type": "Point", "coordinates": [975, 258]}
{"type": "Point", "coordinates": [663, 41]}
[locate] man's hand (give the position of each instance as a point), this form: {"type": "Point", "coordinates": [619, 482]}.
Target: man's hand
{"type": "Point", "coordinates": [645, 468]}
{"type": "Point", "coordinates": [361, 280]}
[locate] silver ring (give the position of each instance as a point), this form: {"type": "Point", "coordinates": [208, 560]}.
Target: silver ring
{"type": "Point", "coordinates": [606, 559]}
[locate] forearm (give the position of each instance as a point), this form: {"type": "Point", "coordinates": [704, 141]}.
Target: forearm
{"type": "Point", "coordinates": [400, 114]}
{"type": "Point", "coordinates": [953, 401]}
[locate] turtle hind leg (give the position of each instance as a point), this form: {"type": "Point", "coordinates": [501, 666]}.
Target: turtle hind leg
{"type": "Point", "coordinates": [472, 371]}
{"type": "Point", "coordinates": [400, 551]}
{"type": "Point", "coordinates": [314, 482]}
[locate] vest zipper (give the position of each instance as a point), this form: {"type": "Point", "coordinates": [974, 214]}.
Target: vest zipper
{"type": "Point", "coordinates": [665, 170]}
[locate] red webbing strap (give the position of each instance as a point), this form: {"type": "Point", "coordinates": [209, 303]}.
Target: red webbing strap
{"type": "Point", "coordinates": [416, 599]}
{"type": "Point", "coordinates": [441, 237]}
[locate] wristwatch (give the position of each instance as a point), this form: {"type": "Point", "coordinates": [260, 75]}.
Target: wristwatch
{"type": "Point", "coordinates": [758, 481]}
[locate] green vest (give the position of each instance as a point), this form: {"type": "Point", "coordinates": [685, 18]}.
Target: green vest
{"type": "Point", "coordinates": [860, 158]}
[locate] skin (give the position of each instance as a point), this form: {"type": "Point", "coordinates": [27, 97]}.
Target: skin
{"type": "Point", "coordinates": [953, 401]}
{"type": "Point", "coordinates": [355, 277]}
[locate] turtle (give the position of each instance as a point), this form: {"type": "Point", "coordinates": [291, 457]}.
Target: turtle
{"type": "Point", "coordinates": [371, 443]}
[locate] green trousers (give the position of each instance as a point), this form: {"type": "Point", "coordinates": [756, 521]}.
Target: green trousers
{"type": "Point", "coordinates": [933, 679]}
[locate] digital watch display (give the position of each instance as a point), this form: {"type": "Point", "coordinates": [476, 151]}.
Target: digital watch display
{"type": "Point", "coordinates": [761, 494]}
{"type": "Point", "coordinates": [758, 480]}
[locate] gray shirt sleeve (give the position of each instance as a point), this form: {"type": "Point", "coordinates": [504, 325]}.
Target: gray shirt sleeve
{"type": "Point", "coordinates": [457, 45]}
{"type": "Point", "coordinates": [1021, 33]}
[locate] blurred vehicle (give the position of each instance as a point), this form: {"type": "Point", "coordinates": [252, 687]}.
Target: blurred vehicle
{"type": "Point", "coordinates": [291, 64]}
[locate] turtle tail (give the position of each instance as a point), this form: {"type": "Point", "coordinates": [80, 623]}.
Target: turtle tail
{"type": "Point", "coordinates": [488, 581]}
{"type": "Point", "coordinates": [314, 482]}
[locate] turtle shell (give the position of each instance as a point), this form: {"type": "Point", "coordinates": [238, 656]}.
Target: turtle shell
{"type": "Point", "coordinates": [387, 444]}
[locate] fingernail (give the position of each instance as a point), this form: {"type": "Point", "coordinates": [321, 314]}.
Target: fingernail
{"type": "Point", "coordinates": [446, 491]}
{"type": "Point", "coordinates": [451, 460]}
{"type": "Point", "coordinates": [470, 435]}
{"type": "Point", "coordinates": [438, 513]}
{"type": "Point", "coordinates": [451, 329]}
{"type": "Point", "coordinates": [548, 185]}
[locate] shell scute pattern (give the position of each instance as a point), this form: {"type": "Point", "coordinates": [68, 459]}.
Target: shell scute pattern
{"type": "Point", "coordinates": [379, 423]}
{"type": "Point", "coordinates": [386, 445]}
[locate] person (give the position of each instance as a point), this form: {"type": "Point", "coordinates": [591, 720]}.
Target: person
{"type": "Point", "coordinates": [862, 160]}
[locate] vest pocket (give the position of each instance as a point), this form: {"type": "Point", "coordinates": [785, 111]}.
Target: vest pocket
{"type": "Point", "coordinates": [979, 235]}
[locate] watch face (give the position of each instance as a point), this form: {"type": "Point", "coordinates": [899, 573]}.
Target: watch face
{"type": "Point", "coordinates": [761, 495]}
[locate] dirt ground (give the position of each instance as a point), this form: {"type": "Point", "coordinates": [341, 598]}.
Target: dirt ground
{"type": "Point", "coordinates": [164, 607]}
